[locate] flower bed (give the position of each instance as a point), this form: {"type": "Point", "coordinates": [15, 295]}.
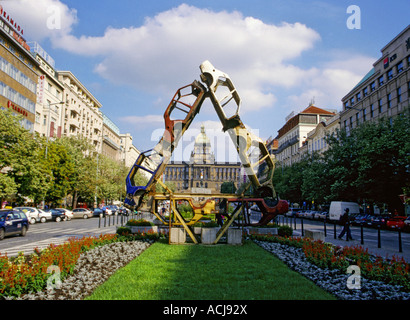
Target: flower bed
{"type": "Point", "coordinates": [28, 274]}
{"type": "Point", "coordinates": [395, 271]}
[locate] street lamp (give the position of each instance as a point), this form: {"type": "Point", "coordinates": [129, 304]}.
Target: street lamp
{"type": "Point", "coordinates": [48, 121]}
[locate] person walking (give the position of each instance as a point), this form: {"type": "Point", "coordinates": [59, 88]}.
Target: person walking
{"type": "Point", "coordinates": [345, 220]}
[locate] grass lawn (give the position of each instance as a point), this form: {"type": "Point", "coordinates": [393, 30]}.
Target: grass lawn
{"type": "Point", "coordinates": [196, 272]}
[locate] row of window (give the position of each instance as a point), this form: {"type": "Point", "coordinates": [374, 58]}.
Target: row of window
{"type": "Point", "coordinates": [221, 173]}
{"type": "Point", "coordinates": [380, 107]}
{"type": "Point", "coordinates": [16, 97]}
{"type": "Point", "coordinates": [17, 75]}
{"type": "Point", "coordinates": [396, 70]}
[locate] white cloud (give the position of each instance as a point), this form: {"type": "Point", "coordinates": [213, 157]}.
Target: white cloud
{"type": "Point", "coordinates": [42, 18]}
{"type": "Point", "coordinates": [165, 52]}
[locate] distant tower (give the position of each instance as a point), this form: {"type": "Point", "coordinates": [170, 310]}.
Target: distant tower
{"type": "Point", "coordinates": [202, 149]}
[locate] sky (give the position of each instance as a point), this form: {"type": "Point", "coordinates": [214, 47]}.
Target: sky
{"type": "Point", "coordinates": [281, 55]}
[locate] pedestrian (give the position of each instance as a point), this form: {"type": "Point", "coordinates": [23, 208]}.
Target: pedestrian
{"type": "Point", "coordinates": [345, 220]}
{"type": "Point", "coordinates": [104, 210]}
{"type": "Point", "coordinates": [219, 219]}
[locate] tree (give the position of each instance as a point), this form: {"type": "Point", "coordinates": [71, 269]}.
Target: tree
{"type": "Point", "coordinates": [22, 171]}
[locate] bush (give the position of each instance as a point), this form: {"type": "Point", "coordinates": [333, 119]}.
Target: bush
{"type": "Point", "coordinates": [139, 223]}
{"type": "Point", "coordinates": [123, 231]}
{"type": "Point", "coordinates": [210, 224]}
{"type": "Point", "coordinates": [285, 231]}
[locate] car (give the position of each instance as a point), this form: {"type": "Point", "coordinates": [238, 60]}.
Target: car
{"type": "Point", "coordinates": [112, 208]}
{"type": "Point", "coordinates": [98, 212]}
{"type": "Point", "coordinates": [82, 213]}
{"type": "Point", "coordinates": [57, 215]}
{"type": "Point", "coordinates": [31, 213]}
{"type": "Point", "coordinates": [407, 223]}
{"type": "Point", "coordinates": [380, 221]}
{"type": "Point", "coordinates": [44, 216]}
{"type": "Point", "coordinates": [359, 219]}
{"type": "Point", "coordinates": [69, 214]}
{"type": "Point", "coordinates": [322, 215]}
{"type": "Point", "coordinates": [291, 212]}
{"type": "Point", "coordinates": [396, 222]}
{"type": "Point", "coordinates": [124, 211]}
{"type": "Point", "coordinates": [13, 222]}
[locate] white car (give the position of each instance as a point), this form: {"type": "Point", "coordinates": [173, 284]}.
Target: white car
{"type": "Point", "coordinates": [68, 213]}
{"type": "Point", "coordinates": [44, 215]}
{"type": "Point", "coordinates": [82, 213]}
{"type": "Point", "coordinates": [31, 213]}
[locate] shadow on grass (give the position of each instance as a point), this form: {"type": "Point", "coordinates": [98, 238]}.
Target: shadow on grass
{"type": "Point", "coordinates": [198, 272]}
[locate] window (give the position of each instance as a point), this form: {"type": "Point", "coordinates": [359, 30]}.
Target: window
{"type": "Point", "coordinates": [352, 101]}
{"type": "Point", "coordinates": [380, 81]}
{"type": "Point", "coordinates": [389, 100]}
{"type": "Point", "coordinates": [399, 95]}
{"type": "Point", "coordinates": [358, 97]}
{"type": "Point", "coordinates": [365, 93]}
{"type": "Point", "coordinates": [372, 86]}
{"type": "Point", "coordinates": [400, 67]}
{"type": "Point", "coordinates": [390, 74]}
{"type": "Point", "coordinates": [380, 105]}
{"type": "Point", "coordinates": [372, 110]}
{"type": "Point", "coordinates": [364, 114]}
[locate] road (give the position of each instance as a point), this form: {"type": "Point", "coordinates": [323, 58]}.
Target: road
{"type": "Point", "coordinates": [42, 234]}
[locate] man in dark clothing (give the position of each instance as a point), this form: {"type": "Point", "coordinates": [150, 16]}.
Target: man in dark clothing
{"type": "Point", "coordinates": [345, 220]}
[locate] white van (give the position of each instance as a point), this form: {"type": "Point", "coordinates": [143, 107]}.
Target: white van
{"type": "Point", "coordinates": [337, 208]}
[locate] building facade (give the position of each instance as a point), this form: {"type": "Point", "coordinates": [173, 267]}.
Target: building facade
{"type": "Point", "coordinates": [111, 143]}
{"type": "Point", "coordinates": [202, 174]}
{"type": "Point", "coordinates": [293, 134]}
{"type": "Point", "coordinates": [19, 72]}
{"type": "Point", "coordinates": [50, 104]}
{"type": "Point", "coordinates": [384, 91]}
{"type": "Point", "coordinates": [316, 139]}
{"type": "Point", "coordinates": [82, 115]}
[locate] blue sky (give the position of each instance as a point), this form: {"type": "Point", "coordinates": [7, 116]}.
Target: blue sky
{"type": "Point", "coordinates": [133, 55]}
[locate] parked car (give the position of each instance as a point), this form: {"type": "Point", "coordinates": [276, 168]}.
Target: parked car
{"type": "Point", "coordinates": [380, 221]}
{"type": "Point", "coordinates": [359, 219]}
{"type": "Point", "coordinates": [13, 222]}
{"type": "Point", "coordinates": [112, 208]}
{"type": "Point", "coordinates": [322, 215]}
{"type": "Point", "coordinates": [44, 216]}
{"type": "Point", "coordinates": [407, 223]}
{"type": "Point", "coordinates": [57, 215]}
{"type": "Point", "coordinates": [82, 213]}
{"type": "Point", "coordinates": [31, 213]}
{"type": "Point", "coordinates": [309, 215]}
{"type": "Point", "coordinates": [396, 222]}
{"type": "Point", "coordinates": [97, 212]}
{"type": "Point", "coordinates": [68, 213]}
{"type": "Point", "coordinates": [124, 211]}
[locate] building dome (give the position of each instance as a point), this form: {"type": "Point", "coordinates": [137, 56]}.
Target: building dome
{"type": "Point", "coordinates": [202, 149]}
{"type": "Point", "coordinates": [202, 139]}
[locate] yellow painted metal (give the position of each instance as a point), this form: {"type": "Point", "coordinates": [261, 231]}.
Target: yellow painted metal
{"type": "Point", "coordinates": [181, 220]}
{"type": "Point", "coordinates": [226, 225]}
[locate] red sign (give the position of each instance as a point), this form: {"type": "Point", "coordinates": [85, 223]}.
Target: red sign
{"type": "Point", "coordinates": [10, 20]}
{"type": "Point", "coordinates": [386, 62]}
{"type": "Point", "coordinates": [17, 108]}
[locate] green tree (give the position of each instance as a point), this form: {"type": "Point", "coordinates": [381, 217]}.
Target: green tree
{"type": "Point", "coordinates": [23, 172]}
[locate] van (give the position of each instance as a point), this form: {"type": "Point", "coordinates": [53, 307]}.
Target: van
{"type": "Point", "coordinates": [337, 208]}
